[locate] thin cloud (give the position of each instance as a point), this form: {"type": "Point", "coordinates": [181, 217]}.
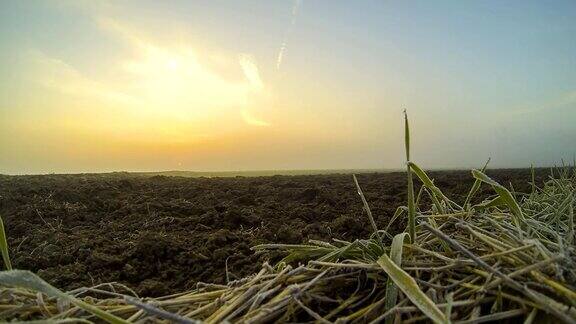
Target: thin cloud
{"type": "Point", "coordinates": [154, 76]}
{"type": "Point", "coordinates": [566, 99]}
{"type": "Point", "coordinates": [251, 120]}
{"type": "Point", "coordinates": [58, 75]}
{"type": "Point", "coordinates": [251, 72]}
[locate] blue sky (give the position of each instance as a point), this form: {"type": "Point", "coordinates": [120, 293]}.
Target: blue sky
{"type": "Point", "coordinates": [247, 85]}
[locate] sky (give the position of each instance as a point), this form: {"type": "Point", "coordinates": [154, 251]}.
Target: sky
{"type": "Point", "coordinates": [97, 86]}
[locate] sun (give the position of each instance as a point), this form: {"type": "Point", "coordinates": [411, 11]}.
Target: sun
{"type": "Point", "coordinates": [172, 64]}
{"type": "Point", "coordinates": [173, 82]}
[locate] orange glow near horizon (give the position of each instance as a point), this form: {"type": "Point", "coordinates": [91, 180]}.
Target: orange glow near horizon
{"type": "Point", "coordinates": [160, 101]}
{"type": "Point", "coordinates": [160, 95]}
{"type": "Point", "coordinates": [90, 86]}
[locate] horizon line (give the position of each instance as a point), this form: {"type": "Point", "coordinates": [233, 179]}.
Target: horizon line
{"type": "Point", "coordinates": [267, 172]}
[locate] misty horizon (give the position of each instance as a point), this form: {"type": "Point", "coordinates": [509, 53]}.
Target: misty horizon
{"type": "Point", "coordinates": [280, 172]}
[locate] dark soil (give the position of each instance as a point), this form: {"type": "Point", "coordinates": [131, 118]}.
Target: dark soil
{"type": "Point", "coordinates": [162, 235]}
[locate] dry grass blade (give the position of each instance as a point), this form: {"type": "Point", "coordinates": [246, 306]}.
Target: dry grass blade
{"type": "Point", "coordinates": [174, 318]}
{"type": "Point", "coordinates": [365, 203]}
{"type": "Point", "coordinates": [28, 280]}
{"type": "Point", "coordinates": [536, 297]}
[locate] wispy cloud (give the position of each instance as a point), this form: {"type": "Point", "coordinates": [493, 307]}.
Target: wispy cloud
{"type": "Point", "coordinates": [252, 74]}
{"type": "Point", "coordinates": [295, 9]}
{"type": "Point", "coordinates": [56, 74]}
{"type": "Point", "coordinates": [254, 121]}
{"type": "Point", "coordinates": [564, 100]}
{"type": "Point", "coordinates": [167, 81]}
{"type": "Point", "coordinates": [250, 69]}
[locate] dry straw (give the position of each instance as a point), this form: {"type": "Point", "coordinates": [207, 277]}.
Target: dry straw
{"type": "Point", "coordinates": [504, 258]}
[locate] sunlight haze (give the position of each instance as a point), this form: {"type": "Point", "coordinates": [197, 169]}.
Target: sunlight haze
{"type": "Point", "coordinates": [95, 86]}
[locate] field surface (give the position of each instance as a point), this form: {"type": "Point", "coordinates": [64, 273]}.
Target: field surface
{"type": "Point", "coordinates": [162, 235]}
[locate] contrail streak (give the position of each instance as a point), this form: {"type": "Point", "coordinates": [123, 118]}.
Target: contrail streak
{"type": "Point", "coordinates": [295, 9]}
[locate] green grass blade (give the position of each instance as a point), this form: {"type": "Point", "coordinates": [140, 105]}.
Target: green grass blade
{"type": "Point", "coordinates": [391, 288]}
{"type": "Point", "coordinates": [399, 211]}
{"type": "Point", "coordinates": [504, 193]}
{"type": "Point", "coordinates": [571, 233]}
{"type": "Point", "coordinates": [409, 287]}
{"type": "Point", "coordinates": [533, 178]}
{"type": "Point", "coordinates": [496, 202]}
{"type": "Point", "coordinates": [4, 246]}
{"type": "Point", "coordinates": [530, 318]}
{"type": "Point", "coordinates": [411, 204]}
{"type": "Point", "coordinates": [28, 280]}
{"type": "Point", "coordinates": [475, 186]}
{"type": "Point", "coordinates": [436, 193]}
{"type": "Point", "coordinates": [406, 135]}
